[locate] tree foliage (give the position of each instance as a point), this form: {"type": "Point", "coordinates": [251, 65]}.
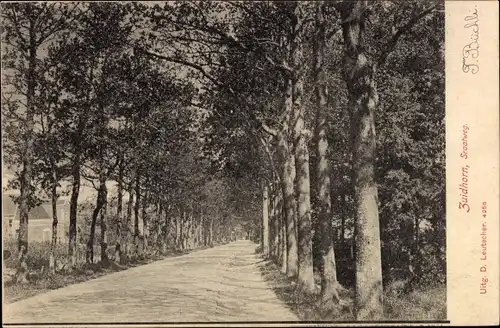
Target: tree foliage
{"type": "Point", "coordinates": [192, 108]}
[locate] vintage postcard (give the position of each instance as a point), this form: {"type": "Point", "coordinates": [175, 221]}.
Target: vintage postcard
{"type": "Point", "coordinates": [250, 163]}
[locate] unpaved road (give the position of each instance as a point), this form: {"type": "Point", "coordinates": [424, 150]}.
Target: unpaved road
{"type": "Point", "coordinates": [217, 284]}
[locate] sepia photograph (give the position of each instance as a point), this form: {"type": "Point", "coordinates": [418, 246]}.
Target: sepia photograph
{"type": "Point", "coordinates": [227, 162]}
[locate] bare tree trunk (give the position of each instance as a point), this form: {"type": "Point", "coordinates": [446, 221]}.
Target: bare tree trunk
{"type": "Point", "coordinates": [130, 205]}
{"type": "Point", "coordinates": [145, 227]}
{"type": "Point", "coordinates": [287, 172]}
{"type": "Point", "coordinates": [414, 269]}
{"type": "Point", "coordinates": [276, 222]}
{"type": "Point", "coordinates": [202, 229]}
{"type": "Point", "coordinates": [205, 233]}
{"type": "Point", "coordinates": [27, 156]}
{"type": "Point", "coordinates": [189, 230]}
{"type": "Point", "coordinates": [168, 223]}
{"type": "Point", "coordinates": [195, 229]}
{"type": "Point", "coordinates": [284, 247]}
{"type": "Point", "coordinates": [305, 276]}
{"type": "Point", "coordinates": [270, 214]}
{"type": "Point", "coordinates": [211, 232]}
{"type": "Point", "coordinates": [162, 228]}
{"type": "Point", "coordinates": [178, 230]}
{"type": "Point", "coordinates": [182, 220]}
{"type": "Point", "coordinates": [265, 222]}
{"type": "Point", "coordinates": [119, 210]}
{"type": "Point", "coordinates": [72, 247]}
{"type": "Point", "coordinates": [343, 217]}
{"type": "Point", "coordinates": [136, 212]}
{"type": "Point", "coordinates": [101, 194]}
{"type": "Point", "coordinates": [301, 136]}
{"type": "Point", "coordinates": [277, 227]}
{"type": "Point", "coordinates": [104, 234]}
{"type": "Point", "coordinates": [54, 221]}
{"type": "Point", "coordinates": [328, 268]}
{"type": "Point", "coordinates": [362, 104]}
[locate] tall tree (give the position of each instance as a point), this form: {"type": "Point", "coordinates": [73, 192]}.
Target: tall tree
{"type": "Point", "coordinates": [360, 75]}
{"type": "Point", "coordinates": [362, 104]}
{"type": "Point", "coordinates": [328, 267]}
{"type": "Point", "coordinates": [28, 26]}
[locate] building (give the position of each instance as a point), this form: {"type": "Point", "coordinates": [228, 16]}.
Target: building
{"type": "Point", "coordinates": [39, 220]}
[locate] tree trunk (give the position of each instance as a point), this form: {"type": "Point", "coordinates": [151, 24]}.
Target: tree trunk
{"type": "Point", "coordinates": [362, 104]}
{"type": "Point", "coordinates": [195, 229]}
{"type": "Point", "coordinates": [270, 222]}
{"type": "Point", "coordinates": [211, 232]}
{"type": "Point", "coordinates": [185, 228]}
{"type": "Point", "coordinates": [101, 194]}
{"type": "Point", "coordinates": [27, 157]}
{"type": "Point", "coordinates": [182, 224]}
{"type": "Point", "coordinates": [119, 210]}
{"type": "Point", "coordinates": [301, 136]}
{"type": "Point", "coordinates": [75, 192]}
{"type": "Point", "coordinates": [162, 228]}
{"type": "Point", "coordinates": [130, 206]}
{"type": "Point", "coordinates": [265, 222]}
{"type": "Point", "coordinates": [414, 268]}
{"type": "Point", "coordinates": [178, 230]}
{"type": "Point", "coordinates": [343, 218]}
{"type": "Point", "coordinates": [189, 230]}
{"type": "Point", "coordinates": [276, 223]}
{"type": "Point", "coordinates": [284, 247]}
{"type": "Point", "coordinates": [205, 233]}
{"type": "Point", "coordinates": [104, 234]}
{"type": "Point", "coordinates": [305, 275]}
{"type": "Point", "coordinates": [277, 227]}
{"type": "Point", "coordinates": [145, 227]}
{"type": "Point", "coordinates": [54, 222]}
{"type": "Point", "coordinates": [287, 172]}
{"type": "Point", "coordinates": [168, 223]}
{"type": "Point", "coordinates": [328, 268]}
{"type": "Point", "coordinates": [136, 212]}
{"type": "Point", "coordinates": [202, 230]}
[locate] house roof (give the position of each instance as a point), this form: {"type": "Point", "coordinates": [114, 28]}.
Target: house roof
{"type": "Point", "coordinates": [9, 209]}
{"type": "Point", "coordinates": [39, 212]}
{"type": "Point", "coordinates": [8, 206]}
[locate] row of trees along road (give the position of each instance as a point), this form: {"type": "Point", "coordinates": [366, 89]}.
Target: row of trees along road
{"type": "Point", "coordinates": [196, 108]}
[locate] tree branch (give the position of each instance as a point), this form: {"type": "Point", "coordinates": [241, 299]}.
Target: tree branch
{"type": "Point", "coordinates": [265, 143]}
{"type": "Point", "coordinates": [268, 129]}
{"type": "Point", "coordinates": [90, 179]}
{"type": "Point", "coordinates": [232, 40]}
{"type": "Point", "coordinates": [176, 60]}
{"type": "Point", "coordinates": [59, 25]}
{"type": "Point", "coordinates": [396, 34]}
{"type": "Point", "coordinates": [17, 27]}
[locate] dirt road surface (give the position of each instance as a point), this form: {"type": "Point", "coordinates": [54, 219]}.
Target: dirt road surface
{"type": "Point", "coordinates": [219, 284]}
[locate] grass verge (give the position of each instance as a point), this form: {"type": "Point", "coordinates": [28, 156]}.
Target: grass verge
{"type": "Point", "coordinates": [45, 282]}
{"type": "Point", "coordinates": [428, 304]}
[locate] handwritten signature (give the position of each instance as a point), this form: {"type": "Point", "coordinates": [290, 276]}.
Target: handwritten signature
{"type": "Point", "coordinates": [470, 52]}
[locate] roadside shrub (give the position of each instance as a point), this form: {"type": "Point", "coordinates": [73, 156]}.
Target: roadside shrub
{"type": "Point", "coordinates": [11, 246]}
{"type": "Point", "coordinates": [38, 254]}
